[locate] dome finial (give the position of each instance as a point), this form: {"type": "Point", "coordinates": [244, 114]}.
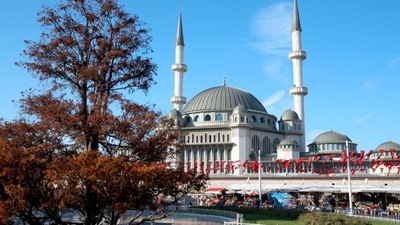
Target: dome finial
{"type": "Point", "coordinates": [224, 81]}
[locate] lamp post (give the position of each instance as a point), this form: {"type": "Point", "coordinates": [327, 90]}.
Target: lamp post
{"type": "Point", "coordinates": [259, 177]}
{"type": "Point", "coordinates": [349, 179]}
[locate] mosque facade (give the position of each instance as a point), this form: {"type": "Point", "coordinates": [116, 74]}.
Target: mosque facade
{"type": "Point", "coordinates": [228, 134]}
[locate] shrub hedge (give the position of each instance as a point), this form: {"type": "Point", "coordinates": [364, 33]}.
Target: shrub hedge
{"type": "Point", "coordinates": [319, 218]}
{"type": "Point", "coordinates": [289, 214]}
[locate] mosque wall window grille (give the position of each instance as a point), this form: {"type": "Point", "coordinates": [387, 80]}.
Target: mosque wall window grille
{"type": "Point", "coordinates": [275, 145]}
{"type": "Point", "coordinates": [219, 117]}
{"type": "Point", "coordinates": [255, 143]}
{"type": "Point", "coordinates": [266, 146]}
{"type": "Point", "coordinates": [183, 156]}
{"type": "Point", "coordinates": [187, 120]}
{"type": "Point", "coordinates": [195, 155]}
{"type": "Point", "coordinates": [196, 119]}
{"type": "Point", "coordinates": [202, 155]}
{"type": "Point", "coordinates": [215, 158]}
{"type": "Point", "coordinates": [207, 118]}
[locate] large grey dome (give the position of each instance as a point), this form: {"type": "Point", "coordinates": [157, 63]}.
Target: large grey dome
{"type": "Point", "coordinates": [223, 98]}
{"type": "Point", "coordinates": [331, 137]}
{"type": "Point", "coordinates": [388, 145]}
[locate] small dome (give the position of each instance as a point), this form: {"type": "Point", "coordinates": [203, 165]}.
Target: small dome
{"type": "Point", "coordinates": [174, 113]}
{"type": "Point", "coordinates": [222, 98]}
{"type": "Point", "coordinates": [388, 145]}
{"type": "Point", "coordinates": [288, 142]}
{"type": "Point", "coordinates": [289, 115]}
{"type": "Point", "coordinates": [331, 137]}
{"type": "Point", "coordinates": [239, 109]}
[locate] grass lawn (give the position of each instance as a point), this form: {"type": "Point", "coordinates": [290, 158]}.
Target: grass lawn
{"type": "Point", "coordinates": [265, 219]}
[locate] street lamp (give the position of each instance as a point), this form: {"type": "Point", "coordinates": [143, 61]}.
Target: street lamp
{"type": "Point", "coordinates": [349, 179]}
{"type": "Point", "coordinates": [259, 177]}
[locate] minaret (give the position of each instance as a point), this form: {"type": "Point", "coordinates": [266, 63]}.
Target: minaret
{"type": "Point", "coordinates": [178, 100]}
{"type": "Point", "coordinates": [298, 91]}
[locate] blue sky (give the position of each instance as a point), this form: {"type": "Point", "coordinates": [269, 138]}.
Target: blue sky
{"type": "Point", "coordinates": [352, 68]}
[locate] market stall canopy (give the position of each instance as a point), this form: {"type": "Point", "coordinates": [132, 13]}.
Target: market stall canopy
{"type": "Point", "coordinates": [215, 190]}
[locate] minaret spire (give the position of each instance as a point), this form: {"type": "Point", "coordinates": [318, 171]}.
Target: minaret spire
{"type": "Point", "coordinates": [179, 68]}
{"type": "Point", "coordinates": [179, 33]}
{"type": "Point", "coordinates": [297, 55]}
{"type": "Point", "coordinates": [296, 26]}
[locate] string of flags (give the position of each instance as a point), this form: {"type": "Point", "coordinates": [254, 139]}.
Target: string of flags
{"type": "Point", "coordinates": [328, 164]}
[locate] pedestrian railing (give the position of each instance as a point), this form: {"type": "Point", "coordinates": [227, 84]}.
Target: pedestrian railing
{"type": "Point", "coordinates": [215, 212]}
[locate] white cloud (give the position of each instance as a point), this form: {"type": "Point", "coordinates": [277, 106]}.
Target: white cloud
{"type": "Point", "coordinates": [275, 98]}
{"type": "Point", "coordinates": [278, 102]}
{"type": "Point", "coordinates": [278, 70]}
{"type": "Point", "coordinates": [394, 63]}
{"type": "Point", "coordinates": [364, 118]}
{"type": "Point", "coordinates": [271, 28]}
{"type": "Point", "coordinates": [373, 84]}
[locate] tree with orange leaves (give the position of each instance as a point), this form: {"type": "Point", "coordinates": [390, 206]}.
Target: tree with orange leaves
{"type": "Point", "coordinates": [82, 146]}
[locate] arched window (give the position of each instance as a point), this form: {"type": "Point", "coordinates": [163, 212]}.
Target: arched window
{"type": "Point", "coordinates": [187, 120]}
{"type": "Point", "coordinates": [275, 145]}
{"type": "Point", "coordinates": [253, 119]}
{"type": "Point", "coordinates": [205, 137]}
{"type": "Point", "coordinates": [262, 120]}
{"type": "Point", "coordinates": [269, 121]}
{"type": "Point", "coordinates": [218, 117]}
{"type": "Point", "coordinates": [266, 146]}
{"type": "Point", "coordinates": [207, 118]}
{"type": "Point", "coordinates": [196, 119]}
{"type": "Point", "coordinates": [255, 143]}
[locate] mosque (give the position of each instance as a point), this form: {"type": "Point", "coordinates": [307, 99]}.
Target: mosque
{"type": "Point", "coordinates": [228, 134]}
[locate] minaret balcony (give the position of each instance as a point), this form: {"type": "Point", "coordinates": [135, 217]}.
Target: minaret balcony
{"type": "Point", "coordinates": [297, 55]}
{"type": "Point", "coordinates": [298, 91]}
{"type": "Point", "coordinates": [178, 99]}
{"type": "Point", "coordinates": [179, 68]}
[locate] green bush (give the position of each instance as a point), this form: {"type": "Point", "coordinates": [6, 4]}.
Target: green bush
{"type": "Point", "coordinates": [319, 218]}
